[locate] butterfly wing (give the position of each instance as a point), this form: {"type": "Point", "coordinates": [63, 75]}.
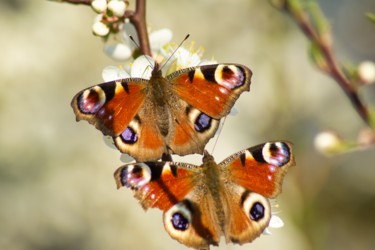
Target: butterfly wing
{"type": "Point", "coordinates": [142, 138]}
{"type": "Point", "coordinates": [201, 203]}
{"type": "Point", "coordinates": [177, 115]}
{"type": "Point", "coordinates": [206, 94]}
{"type": "Point", "coordinates": [110, 106]}
{"type": "Point", "coordinates": [212, 89]}
{"type": "Point", "coordinates": [253, 175]}
{"type": "Point", "coordinates": [176, 189]}
{"type": "Point", "coordinates": [157, 184]}
{"type": "Point", "coordinates": [122, 110]}
{"type": "Point", "coordinates": [188, 131]}
{"type": "Point", "coordinates": [191, 130]}
{"type": "Point", "coordinates": [260, 168]}
{"type": "Point", "coordinates": [248, 215]}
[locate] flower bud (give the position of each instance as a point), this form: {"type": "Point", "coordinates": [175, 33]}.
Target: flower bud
{"type": "Point", "coordinates": [366, 137]}
{"type": "Point", "coordinates": [118, 51]}
{"type": "Point", "coordinates": [117, 7]}
{"type": "Point", "coordinates": [100, 29]}
{"type": "Point", "coordinates": [99, 5]}
{"type": "Point", "coordinates": [366, 72]}
{"type": "Point", "coordinates": [328, 142]}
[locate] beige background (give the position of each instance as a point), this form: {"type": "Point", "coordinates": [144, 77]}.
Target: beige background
{"type": "Point", "coordinates": [56, 185]}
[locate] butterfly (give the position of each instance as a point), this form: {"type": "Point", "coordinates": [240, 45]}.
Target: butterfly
{"type": "Point", "coordinates": [201, 203]}
{"type": "Point", "coordinates": [176, 114]}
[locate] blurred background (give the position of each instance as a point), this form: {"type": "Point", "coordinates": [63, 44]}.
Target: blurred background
{"type": "Point", "coordinates": [56, 184]}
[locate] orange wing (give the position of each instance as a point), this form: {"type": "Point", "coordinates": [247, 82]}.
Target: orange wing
{"type": "Point", "coordinates": [212, 89]}
{"type": "Point", "coordinates": [156, 184]}
{"type": "Point", "coordinates": [260, 168]}
{"type": "Point", "coordinates": [110, 106]}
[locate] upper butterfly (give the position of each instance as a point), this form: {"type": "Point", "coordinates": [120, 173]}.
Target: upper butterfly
{"type": "Point", "coordinates": [177, 114]}
{"type": "Point", "coordinates": [201, 203]}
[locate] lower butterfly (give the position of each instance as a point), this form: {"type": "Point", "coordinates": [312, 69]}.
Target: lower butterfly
{"type": "Point", "coordinates": [201, 203]}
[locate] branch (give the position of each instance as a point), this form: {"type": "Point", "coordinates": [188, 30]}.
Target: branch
{"type": "Point", "coordinates": [136, 18]}
{"type": "Point", "coordinates": [85, 2]}
{"type": "Point", "coordinates": [321, 37]}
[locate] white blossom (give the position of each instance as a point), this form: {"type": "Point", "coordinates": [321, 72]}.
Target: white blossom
{"type": "Point", "coordinates": [100, 29]}
{"type": "Point", "coordinates": [366, 72]}
{"type": "Point", "coordinates": [117, 7]}
{"type": "Point", "coordinates": [328, 142]}
{"type": "Point", "coordinates": [99, 6]}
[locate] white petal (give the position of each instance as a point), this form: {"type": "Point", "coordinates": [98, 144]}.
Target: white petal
{"type": "Point", "coordinates": [118, 51]}
{"type": "Point", "coordinates": [207, 62]}
{"type": "Point", "coordinates": [366, 72]}
{"type": "Point", "coordinates": [159, 38]}
{"type": "Point", "coordinates": [117, 7]}
{"type": "Point", "coordinates": [233, 111]}
{"type": "Point", "coordinates": [267, 232]}
{"type": "Point", "coordinates": [142, 67]}
{"type": "Point", "coordinates": [181, 54]}
{"type": "Point", "coordinates": [327, 142]}
{"type": "Point", "coordinates": [100, 29]}
{"type": "Point", "coordinates": [99, 5]}
{"type": "Point", "coordinates": [185, 58]}
{"type": "Point", "coordinates": [276, 222]}
{"type": "Point", "coordinates": [111, 73]}
{"type": "Point", "coordinates": [128, 30]}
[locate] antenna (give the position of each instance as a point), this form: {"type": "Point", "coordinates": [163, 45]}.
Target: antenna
{"type": "Point", "coordinates": [174, 52]}
{"type": "Point", "coordinates": [137, 45]}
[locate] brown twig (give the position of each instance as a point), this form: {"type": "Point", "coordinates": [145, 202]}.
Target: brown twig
{"type": "Point", "coordinates": [321, 38]}
{"type": "Point", "coordinates": [85, 2]}
{"type": "Point", "coordinates": [136, 18]}
{"type": "Point", "coordinates": [333, 69]}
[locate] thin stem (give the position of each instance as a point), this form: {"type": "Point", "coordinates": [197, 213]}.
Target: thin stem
{"type": "Point", "coordinates": [137, 18]}
{"type": "Point", "coordinates": [85, 2]}
{"type": "Point", "coordinates": [334, 70]}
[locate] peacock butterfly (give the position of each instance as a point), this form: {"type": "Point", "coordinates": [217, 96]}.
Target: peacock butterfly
{"type": "Point", "coordinates": [177, 114]}
{"type": "Point", "coordinates": [201, 203]}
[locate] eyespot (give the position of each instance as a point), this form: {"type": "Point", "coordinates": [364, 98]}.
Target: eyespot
{"type": "Point", "coordinates": [257, 211]}
{"type": "Point", "coordinates": [179, 221]}
{"type": "Point", "coordinates": [256, 207]}
{"type": "Point", "coordinates": [129, 136]}
{"type": "Point", "coordinates": [178, 218]}
{"type": "Point", "coordinates": [202, 123]}
{"type": "Point", "coordinates": [91, 100]}
{"type": "Point", "coordinates": [135, 175]}
{"type": "Point", "coordinates": [276, 153]}
{"type": "Point", "coordinates": [230, 76]}
{"type": "Point", "coordinates": [183, 223]}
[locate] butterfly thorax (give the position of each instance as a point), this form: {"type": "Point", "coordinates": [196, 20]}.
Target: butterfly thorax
{"type": "Point", "coordinates": [159, 88]}
{"type": "Point", "coordinates": [160, 100]}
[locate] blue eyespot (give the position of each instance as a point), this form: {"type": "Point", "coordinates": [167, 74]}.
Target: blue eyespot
{"type": "Point", "coordinates": [202, 123]}
{"type": "Point", "coordinates": [129, 136]}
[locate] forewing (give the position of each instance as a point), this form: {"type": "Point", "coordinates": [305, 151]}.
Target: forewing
{"type": "Point", "coordinates": [260, 168]}
{"type": "Point", "coordinates": [212, 89]}
{"type": "Point", "coordinates": [157, 184]}
{"type": "Point", "coordinates": [110, 106]}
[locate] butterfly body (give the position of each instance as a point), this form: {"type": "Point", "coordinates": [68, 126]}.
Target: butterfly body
{"type": "Point", "coordinates": [174, 114]}
{"type": "Point", "coordinates": [202, 203]}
